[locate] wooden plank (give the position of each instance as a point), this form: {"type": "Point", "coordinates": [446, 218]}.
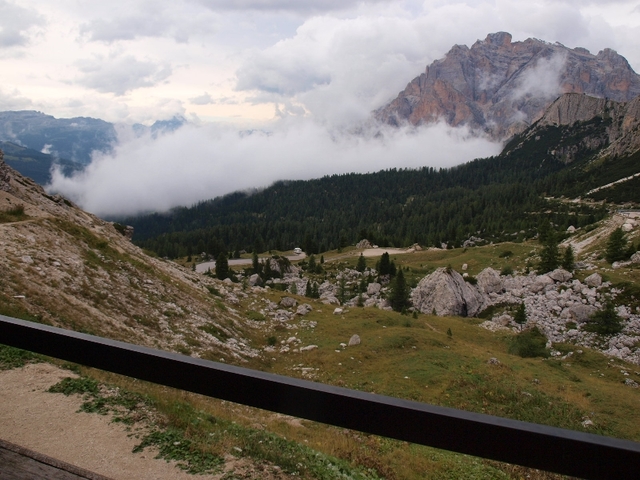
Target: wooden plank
{"type": "Point", "coordinates": [19, 463]}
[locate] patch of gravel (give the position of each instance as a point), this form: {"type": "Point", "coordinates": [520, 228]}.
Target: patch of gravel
{"type": "Point", "coordinates": [50, 424]}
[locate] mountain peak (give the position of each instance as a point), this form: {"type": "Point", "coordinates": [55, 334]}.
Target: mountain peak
{"type": "Point", "coordinates": [500, 87]}
{"type": "Point", "coordinates": [498, 38]}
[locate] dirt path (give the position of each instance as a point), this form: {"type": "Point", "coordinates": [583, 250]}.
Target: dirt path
{"type": "Point", "coordinates": [50, 424]}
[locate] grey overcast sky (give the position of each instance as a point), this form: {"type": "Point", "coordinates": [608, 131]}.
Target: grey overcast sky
{"type": "Point", "coordinates": [248, 61]}
{"type": "Point", "coordinates": [296, 73]}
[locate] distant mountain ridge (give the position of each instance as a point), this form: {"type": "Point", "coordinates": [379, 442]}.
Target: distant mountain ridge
{"type": "Point", "coordinates": [501, 87]}
{"type": "Point", "coordinates": [73, 139]}
{"type": "Point", "coordinates": [34, 164]}
{"type": "Point", "coordinates": [69, 138]}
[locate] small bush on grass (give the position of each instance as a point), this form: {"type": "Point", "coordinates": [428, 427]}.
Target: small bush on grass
{"type": "Point", "coordinates": [506, 270]}
{"type": "Point", "coordinates": [529, 344]}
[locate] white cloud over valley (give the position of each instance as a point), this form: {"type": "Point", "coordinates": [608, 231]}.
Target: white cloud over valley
{"type": "Point", "coordinates": [197, 163]}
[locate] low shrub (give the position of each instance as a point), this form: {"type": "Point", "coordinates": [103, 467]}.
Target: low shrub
{"type": "Point", "coordinates": [506, 270]}
{"type": "Point", "coordinates": [529, 344]}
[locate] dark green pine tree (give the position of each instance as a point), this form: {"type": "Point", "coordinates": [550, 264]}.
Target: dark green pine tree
{"type": "Point", "coordinates": [342, 290]}
{"type": "Point", "coordinates": [616, 246]}
{"type": "Point", "coordinates": [222, 266]}
{"type": "Point", "coordinates": [384, 265]}
{"type": "Point", "coordinates": [568, 259]}
{"type": "Point", "coordinates": [399, 295]}
{"type": "Point", "coordinates": [362, 263]}
{"type": "Point", "coordinates": [550, 256]}
{"type": "Point", "coordinates": [308, 292]}
{"type": "Point", "coordinates": [312, 264]}
{"type": "Point", "coordinates": [267, 271]}
{"type": "Point", "coordinates": [255, 263]}
{"type": "Point", "coordinates": [605, 321]}
{"type": "Point", "coordinates": [520, 316]}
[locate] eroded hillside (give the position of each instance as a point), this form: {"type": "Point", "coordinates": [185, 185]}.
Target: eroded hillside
{"type": "Point", "coordinates": [65, 267]}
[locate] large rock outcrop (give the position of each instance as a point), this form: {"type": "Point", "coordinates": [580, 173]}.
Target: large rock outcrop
{"type": "Point", "coordinates": [502, 87]}
{"type": "Point", "coordinates": [446, 292]}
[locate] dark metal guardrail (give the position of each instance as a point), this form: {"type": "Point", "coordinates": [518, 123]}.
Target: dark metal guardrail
{"type": "Point", "coordinates": [538, 446]}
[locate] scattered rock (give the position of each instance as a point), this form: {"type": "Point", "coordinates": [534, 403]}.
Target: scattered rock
{"type": "Point", "coordinates": [354, 340]}
{"type": "Point", "coordinates": [27, 259]}
{"type": "Point", "coordinates": [464, 267]}
{"type": "Point", "coordinates": [540, 283]}
{"type": "Point", "coordinates": [255, 280]}
{"type": "Point", "coordinates": [560, 275]}
{"type": "Point", "coordinates": [288, 302]}
{"type": "Point", "coordinates": [635, 258]}
{"type": "Point", "coordinates": [581, 313]}
{"type": "Point", "coordinates": [364, 243]}
{"type": "Point", "coordinates": [308, 348]}
{"type": "Point", "coordinates": [571, 229]}
{"type": "Point", "coordinates": [493, 327]}
{"type": "Point", "coordinates": [303, 309]}
{"type": "Point", "coordinates": [373, 289]}
{"type": "Point", "coordinates": [493, 361]}
{"type": "Point", "coordinates": [593, 280]}
{"type": "Point", "coordinates": [630, 383]}
{"type": "Point", "coordinates": [586, 423]}
{"type": "Point", "coordinates": [489, 281]}
{"type": "Point", "coordinates": [338, 311]}
{"type": "Point", "coordinates": [504, 320]}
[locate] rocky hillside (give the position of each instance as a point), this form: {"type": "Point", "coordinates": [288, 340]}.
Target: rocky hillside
{"type": "Point", "coordinates": [501, 87]}
{"type": "Point", "coordinates": [65, 267]}
{"type": "Point", "coordinates": [620, 134]}
{"type": "Point", "coordinates": [556, 302]}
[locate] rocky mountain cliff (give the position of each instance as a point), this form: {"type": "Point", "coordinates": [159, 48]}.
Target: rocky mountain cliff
{"type": "Point", "coordinates": [586, 127]}
{"type": "Point", "coordinates": [501, 87]}
{"type": "Point", "coordinates": [65, 267]}
{"type": "Point", "coordinates": [621, 119]}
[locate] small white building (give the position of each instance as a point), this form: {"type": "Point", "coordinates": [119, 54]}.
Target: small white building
{"type": "Point", "coordinates": [297, 250]}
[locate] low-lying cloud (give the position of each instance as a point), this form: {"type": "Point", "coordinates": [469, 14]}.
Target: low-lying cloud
{"type": "Point", "coordinates": [199, 163]}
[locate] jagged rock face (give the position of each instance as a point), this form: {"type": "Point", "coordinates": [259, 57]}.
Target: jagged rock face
{"type": "Point", "coordinates": [445, 292]}
{"type": "Point", "coordinates": [501, 86]}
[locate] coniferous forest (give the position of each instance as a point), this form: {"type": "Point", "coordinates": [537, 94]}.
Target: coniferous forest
{"type": "Point", "coordinates": [499, 198]}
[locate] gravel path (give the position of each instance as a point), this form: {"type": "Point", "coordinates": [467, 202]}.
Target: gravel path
{"type": "Point", "coordinates": [50, 424]}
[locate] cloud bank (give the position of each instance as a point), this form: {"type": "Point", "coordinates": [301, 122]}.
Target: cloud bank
{"type": "Point", "coordinates": [199, 163]}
